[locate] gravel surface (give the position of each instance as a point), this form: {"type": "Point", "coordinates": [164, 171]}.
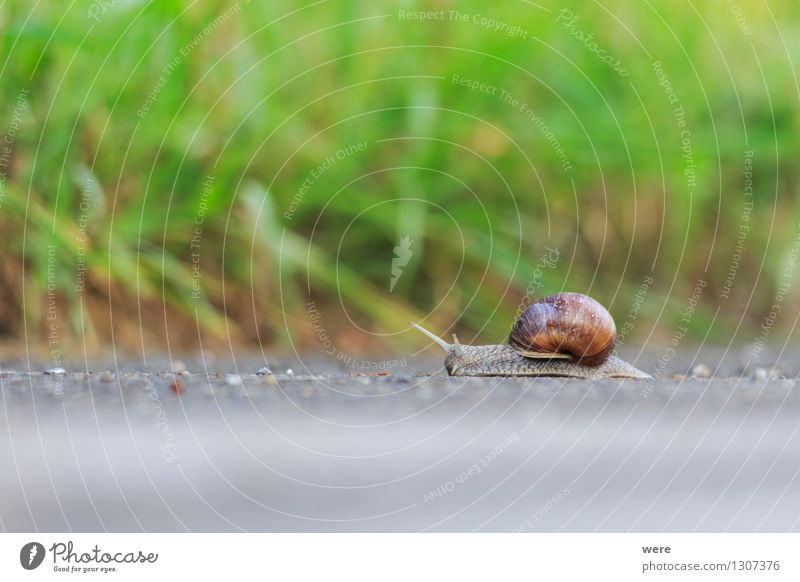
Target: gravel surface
{"type": "Point", "coordinates": [124, 449]}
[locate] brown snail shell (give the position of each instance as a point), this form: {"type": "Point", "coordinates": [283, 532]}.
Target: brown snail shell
{"type": "Point", "coordinates": [565, 325]}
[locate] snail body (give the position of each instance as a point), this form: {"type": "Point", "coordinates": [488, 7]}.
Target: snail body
{"type": "Point", "coordinates": [567, 334]}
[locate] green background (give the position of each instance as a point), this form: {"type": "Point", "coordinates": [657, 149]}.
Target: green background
{"type": "Point", "coordinates": [255, 97]}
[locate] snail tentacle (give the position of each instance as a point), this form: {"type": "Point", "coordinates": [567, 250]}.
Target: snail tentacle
{"type": "Point", "coordinates": [446, 346]}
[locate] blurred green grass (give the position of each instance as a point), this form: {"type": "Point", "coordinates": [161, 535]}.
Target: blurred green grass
{"type": "Point", "coordinates": [261, 98]}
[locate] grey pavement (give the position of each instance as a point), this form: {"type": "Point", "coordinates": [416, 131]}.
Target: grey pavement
{"type": "Point", "coordinates": [120, 450]}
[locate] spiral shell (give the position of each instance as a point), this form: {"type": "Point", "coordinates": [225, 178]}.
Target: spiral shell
{"type": "Point", "coordinates": [565, 325]}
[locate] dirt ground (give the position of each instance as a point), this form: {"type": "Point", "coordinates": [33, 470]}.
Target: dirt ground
{"type": "Point", "coordinates": [133, 447]}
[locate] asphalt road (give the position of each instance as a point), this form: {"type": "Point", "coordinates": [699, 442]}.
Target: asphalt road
{"type": "Point", "coordinates": [120, 450]}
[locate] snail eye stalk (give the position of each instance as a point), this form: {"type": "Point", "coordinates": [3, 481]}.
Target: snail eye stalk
{"type": "Point", "coordinates": [459, 349]}
{"type": "Point", "coordinates": [445, 346]}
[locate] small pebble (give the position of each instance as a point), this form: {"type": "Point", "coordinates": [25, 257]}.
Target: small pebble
{"type": "Point", "coordinates": [762, 374]}
{"type": "Point", "coordinates": [55, 371]}
{"type": "Point", "coordinates": [178, 367]}
{"type": "Point", "coordinates": [265, 371]}
{"type": "Point", "coordinates": [289, 372]}
{"type": "Point", "coordinates": [178, 386]}
{"type": "Point", "coordinates": [701, 371]}
{"type": "Point", "coordinates": [233, 380]}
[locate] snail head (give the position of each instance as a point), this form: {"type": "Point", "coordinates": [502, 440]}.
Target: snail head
{"type": "Point", "coordinates": [458, 355]}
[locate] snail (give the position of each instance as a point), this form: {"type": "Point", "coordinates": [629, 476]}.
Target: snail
{"type": "Point", "coordinates": [567, 334]}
